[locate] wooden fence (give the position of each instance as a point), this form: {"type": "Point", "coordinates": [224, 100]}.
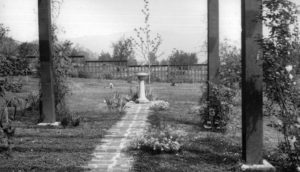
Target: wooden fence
{"type": "Point", "coordinates": [159, 73]}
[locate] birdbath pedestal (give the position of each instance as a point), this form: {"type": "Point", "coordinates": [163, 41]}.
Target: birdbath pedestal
{"type": "Point", "coordinates": [142, 92]}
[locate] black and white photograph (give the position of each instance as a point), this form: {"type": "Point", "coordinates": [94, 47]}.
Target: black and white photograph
{"type": "Point", "coordinates": [149, 86]}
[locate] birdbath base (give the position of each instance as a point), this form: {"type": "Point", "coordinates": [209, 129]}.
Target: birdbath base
{"type": "Point", "coordinates": [142, 92]}
{"type": "Point", "coordinates": [142, 101]}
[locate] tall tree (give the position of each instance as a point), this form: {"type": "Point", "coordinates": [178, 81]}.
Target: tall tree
{"type": "Point", "coordinates": [28, 49]}
{"type": "Point", "coordinates": [164, 62]}
{"type": "Point", "coordinates": [179, 57]}
{"type": "Point", "coordinates": [3, 31]}
{"type": "Point", "coordinates": [122, 50]}
{"type": "Point", "coordinates": [153, 59]}
{"type": "Point", "coordinates": [8, 47]}
{"type": "Point", "coordinates": [104, 56]}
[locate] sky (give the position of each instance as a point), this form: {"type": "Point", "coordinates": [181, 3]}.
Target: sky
{"type": "Point", "coordinates": [95, 24]}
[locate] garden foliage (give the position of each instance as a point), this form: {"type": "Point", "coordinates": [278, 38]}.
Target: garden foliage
{"type": "Point", "coordinates": [12, 66]}
{"type": "Point", "coordinates": [279, 53]}
{"type": "Point", "coordinates": [115, 102]}
{"type": "Point", "coordinates": [230, 67]}
{"type": "Point", "coordinates": [159, 105]}
{"type": "Point", "coordinates": [157, 141]}
{"type": "Point", "coordinates": [216, 109]}
{"type": "Point", "coordinates": [62, 68]}
{"type": "Point", "coordinates": [133, 95]}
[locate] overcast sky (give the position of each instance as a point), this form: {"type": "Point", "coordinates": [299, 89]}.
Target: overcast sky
{"type": "Point", "coordinates": [88, 18]}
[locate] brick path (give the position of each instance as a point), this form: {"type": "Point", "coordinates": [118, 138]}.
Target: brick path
{"type": "Point", "coordinates": [108, 156]}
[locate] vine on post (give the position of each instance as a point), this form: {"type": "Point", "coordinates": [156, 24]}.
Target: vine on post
{"type": "Point", "coordinates": [279, 52]}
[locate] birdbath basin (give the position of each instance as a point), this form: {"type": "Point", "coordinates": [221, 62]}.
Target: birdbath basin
{"type": "Point", "coordinates": [142, 92]}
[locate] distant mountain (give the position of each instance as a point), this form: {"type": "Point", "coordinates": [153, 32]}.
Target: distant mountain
{"type": "Point", "coordinates": [171, 40]}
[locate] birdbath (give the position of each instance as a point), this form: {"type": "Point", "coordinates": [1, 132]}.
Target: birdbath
{"type": "Point", "coordinates": [142, 92]}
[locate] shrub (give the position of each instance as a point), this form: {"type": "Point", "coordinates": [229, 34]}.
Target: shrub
{"type": "Point", "coordinates": [134, 95]}
{"type": "Point", "coordinates": [216, 110]}
{"type": "Point", "coordinates": [61, 65]}
{"type": "Point", "coordinates": [33, 99]}
{"type": "Point", "coordinates": [108, 76]}
{"type": "Point", "coordinates": [73, 74]}
{"type": "Point", "coordinates": [153, 78]}
{"type": "Point", "coordinates": [84, 74]}
{"type": "Point", "coordinates": [159, 105]}
{"type": "Point", "coordinates": [115, 102]}
{"type": "Point", "coordinates": [149, 94]}
{"type": "Point", "coordinates": [13, 66]}
{"type": "Point", "coordinates": [230, 68]}
{"type": "Point", "coordinates": [279, 50]}
{"type": "Point", "coordinates": [157, 141]}
{"type": "Point", "coordinates": [129, 79]}
{"type": "Point", "coordinates": [70, 120]}
{"type": "Point", "coordinates": [6, 129]}
{"type": "Point", "coordinates": [10, 85]}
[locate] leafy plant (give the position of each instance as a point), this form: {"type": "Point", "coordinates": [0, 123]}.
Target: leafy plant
{"type": "Point", "coordinates": [230, 68]}
{"type": "Point", "coordinates": [279, 60]}
{"type": "Point", "coordinates": [149, 94]}
{"type": "Point", "coordinates": [134, 95]}
{"type": "Point", "coordinates": [179, 57]}
{"type": "Point", "coordinates": [115, 102]}
{"type": "Point", "coordinates": [61, 69]}
{"type": "Point", "coordinates": [123, 50]}
{"type": "Point", "coordinates": [33, 99]}
{"type": "Point", "coordinates": [108, 76]}
{"type": "Point", "coordinates": [70, 119]}
{"type": "Point", "coordinates": [215, 112]}
{"type": "Point", "coordinates": [7, 131]}
{"type": "Point", "coordinates": [11, 66]}
{"type": "Point", "coordinates": [11, 85]}
{"type": "Point", "coordinates": [84, 74]}
{"type": "Point", "coordinates": [129, 79]}
{"type": "Point", "coordinates": [159, 105]}
{"type": "Point", "coordinates": [157, 141]}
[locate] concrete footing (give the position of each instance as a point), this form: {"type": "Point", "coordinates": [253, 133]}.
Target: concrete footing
{"type": "Point", "coordinates": [264, 167]}
{"type": "Point", "coordinates": [49, 124]}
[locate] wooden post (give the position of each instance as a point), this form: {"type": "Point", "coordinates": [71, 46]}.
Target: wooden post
{"type": "Point", "coordinates": [252, 113]}
{"type": "Point", "coordinates": [46, 69]}
{"type": "Point", "coordinates": [213, 42]}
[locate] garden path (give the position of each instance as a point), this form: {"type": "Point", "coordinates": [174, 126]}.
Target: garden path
{"type": "Point", "coordinates": [108, 156]}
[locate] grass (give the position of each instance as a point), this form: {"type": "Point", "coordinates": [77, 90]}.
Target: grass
{"type": "Point", "coordinates": [202, 150]}
{"type": "Point", "coordinates": [57, 149]}
{"type": "Point", "coordinates": [48, 149]}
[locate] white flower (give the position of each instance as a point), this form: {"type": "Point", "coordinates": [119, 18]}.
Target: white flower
{"type": "Point", "coordinates": [289, 68]}
{"type": "Point", "coordinates": [291, 76]}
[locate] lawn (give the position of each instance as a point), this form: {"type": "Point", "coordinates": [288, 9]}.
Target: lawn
{"type": "Point", "coordinates": [46, 149]}
{"type": "Point", "coordinates": [62, 149]}
{"type": "Point", "coordinates": [202, 150]}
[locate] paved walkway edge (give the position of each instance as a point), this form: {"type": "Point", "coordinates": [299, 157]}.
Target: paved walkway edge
{"type": "Point", "coordinates": [108, 156]}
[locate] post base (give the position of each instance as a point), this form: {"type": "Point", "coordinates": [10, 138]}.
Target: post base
{"type": "Point", "coordinates": [49, 124]}
{"type": "Point", "coordinates": [142, 101]}
{"type": "Point", "coordinates": [264, 167]}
